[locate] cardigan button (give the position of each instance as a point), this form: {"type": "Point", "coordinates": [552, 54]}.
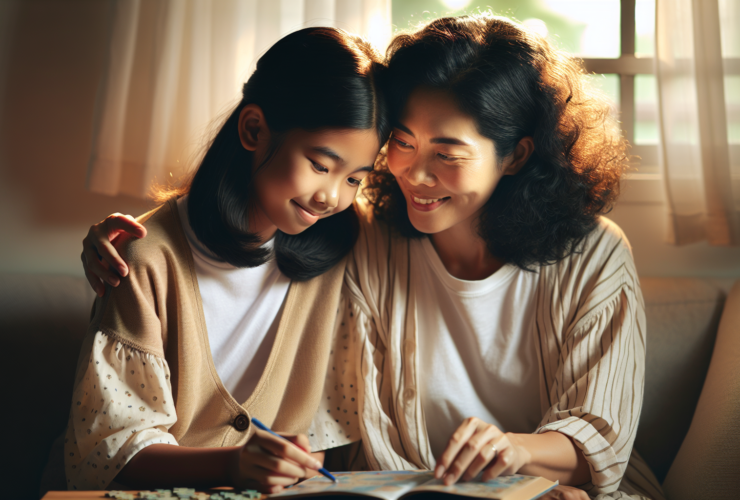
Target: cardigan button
{"type": "Point", "coordinates": [241, 422]}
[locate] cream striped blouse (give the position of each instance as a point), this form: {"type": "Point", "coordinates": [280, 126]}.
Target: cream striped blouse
{"type": "Point", "coordinates": [590, 331]}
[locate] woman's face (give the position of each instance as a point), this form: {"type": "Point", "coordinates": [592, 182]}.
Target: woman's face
{"type": "Point", "coordinates": [446, 169]}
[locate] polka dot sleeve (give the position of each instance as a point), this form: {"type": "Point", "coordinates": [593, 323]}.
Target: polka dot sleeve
{"type": "Point", "coordinates": [337, 421]}
{"type": "Point", "coordinates": [121, 404]}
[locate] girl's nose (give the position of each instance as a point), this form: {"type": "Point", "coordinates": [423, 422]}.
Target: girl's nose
{"type": "Point", "coordinates": [328, 198]}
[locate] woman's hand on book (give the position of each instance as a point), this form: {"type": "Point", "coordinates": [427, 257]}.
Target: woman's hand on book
{"type": "Point", "coordinates": [268, 463]}
{"type": "Point", "coordinates": [100, 258]}
{"type": "Point", "coordinates": [565, 493]}
{"type": "Point", "coordinates": [479, 446]}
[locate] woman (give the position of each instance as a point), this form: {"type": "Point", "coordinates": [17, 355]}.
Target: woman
{"type": "Point", "coordinates": [498, 318]}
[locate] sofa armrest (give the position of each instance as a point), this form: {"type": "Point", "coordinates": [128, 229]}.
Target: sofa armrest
{"type": "Point", "coordinates": [708, 463]}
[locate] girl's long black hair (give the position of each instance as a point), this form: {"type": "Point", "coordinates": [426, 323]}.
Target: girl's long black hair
{"type": "Point", "coordinates": [312, 79]}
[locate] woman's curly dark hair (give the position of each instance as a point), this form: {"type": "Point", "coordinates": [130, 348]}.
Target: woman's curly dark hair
{"type": "Point", "coordinates": [514, 84]}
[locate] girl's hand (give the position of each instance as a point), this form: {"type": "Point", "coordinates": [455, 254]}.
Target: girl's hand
{"type": "Point", "coordinates": [99, 255]}
{"type": "Point", "coordinates": [565, 493]}
{"type": "Point", "coordinates": [268, 463]}
{"type": "Point", "coordinates": [475, 446]}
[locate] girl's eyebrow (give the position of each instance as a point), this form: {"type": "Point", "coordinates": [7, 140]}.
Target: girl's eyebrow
{"type": "Point", "coordinates": [434, 140]}
{"type": "Point", "coordinates": [328, 152]}
{"type": "Point", "coordinates": [323, 150]}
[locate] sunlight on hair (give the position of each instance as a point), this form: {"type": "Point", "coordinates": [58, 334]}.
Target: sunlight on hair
{"type": "Point", "coordinates": [536, 26]}
{"type": "Point", "coordinates": [456, 4]}
{"type": "Point", "coordinates": [378, 30]}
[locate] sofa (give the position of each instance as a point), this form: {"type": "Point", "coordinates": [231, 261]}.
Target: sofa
{"type": "Point", "coordinates": [689, 431]}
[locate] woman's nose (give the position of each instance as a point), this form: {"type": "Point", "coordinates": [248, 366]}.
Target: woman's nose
{"type": "Point", "coordinates": [418, 173]}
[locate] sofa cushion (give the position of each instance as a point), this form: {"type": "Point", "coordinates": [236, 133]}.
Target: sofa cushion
{"type": "Point", "coordinates": [43, 320]}
{"type": "Point", "coordinates": [682, 318]}
{"type": "Point", "coordinates": [708, 464]}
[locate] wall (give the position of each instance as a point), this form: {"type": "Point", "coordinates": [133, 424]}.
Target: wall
{"type": "Point", "coordinates": [51, 61]}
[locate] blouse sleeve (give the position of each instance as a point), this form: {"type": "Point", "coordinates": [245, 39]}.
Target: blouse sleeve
{"type": "Point", "coordinates": [597, 371]}
{"type": "Point", "coordinates": [121, 404]}
{"type": "Point", "coordinates": [337, 421]}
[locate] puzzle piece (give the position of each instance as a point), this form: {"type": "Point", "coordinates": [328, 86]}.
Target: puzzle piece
{"type": "Point", "coordinates": [119, 495]}
{"type": "Point", "coordinates": [183, 492]}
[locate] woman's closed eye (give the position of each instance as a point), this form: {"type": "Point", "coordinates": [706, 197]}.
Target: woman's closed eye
{"type": "Point", "coordinates": [401, 143]}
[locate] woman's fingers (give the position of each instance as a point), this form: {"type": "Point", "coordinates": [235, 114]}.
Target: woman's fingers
{"type": "Point", "coordinates": [565, 493]}
{"type": "Point", "coordinates": [465, 443]}
{"type": "Point", "coordinates": [102, 235]}
{"type": "Point", "coordinates": [504, 463]}
{"type": "Point", "coordinates": [476, 448]}
{"type": "Point", "coordinates": [484, 455]}
{"type": "Point", "coordinates": [92, 263]}
{"type": "Point", "coordinates": [93, 279]}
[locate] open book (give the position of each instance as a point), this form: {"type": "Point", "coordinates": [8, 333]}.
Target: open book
{"type": "Point", "coordinates": [394, 485]}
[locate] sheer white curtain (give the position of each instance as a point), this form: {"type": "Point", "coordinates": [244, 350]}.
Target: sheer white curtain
{"type": "Point", "coordinates": [698, 73]}
{"type": "Point", "coordinates": [175, 66]}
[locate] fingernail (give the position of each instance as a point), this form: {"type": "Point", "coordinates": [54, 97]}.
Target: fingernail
{"type": "Point", "coordinates": [114, 281]}
{"type": "Point", "coordinates": [317, 465]}
{"type": "Point", "coordinates": [439, 471]}
{"type": "Point", "coordinates": [122, 271]}
{"type": "Point", "coordinates": [448, 479]}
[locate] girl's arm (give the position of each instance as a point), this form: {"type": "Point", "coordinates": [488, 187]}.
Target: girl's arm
{"type": "Point", "coordinates": [265, 463]}
{"type": "Point", "coordinates": [101, 261]}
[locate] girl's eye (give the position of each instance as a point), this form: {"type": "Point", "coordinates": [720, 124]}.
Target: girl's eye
{"type": "Point", "coordinates": [354, 182]}
{"type": "Point", "coordinates": [401, 143]}
{"type": "Point", "coordinates": [318, 167]}
{"type": "Point", "coordinates": [443, 156]}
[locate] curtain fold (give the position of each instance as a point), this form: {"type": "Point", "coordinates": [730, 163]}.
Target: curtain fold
{"type": "Point", "coordinates": [696, 52]}
{"type": "Point", "coordinates": [175, 67]}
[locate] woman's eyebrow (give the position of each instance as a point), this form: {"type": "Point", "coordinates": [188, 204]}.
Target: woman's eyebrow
{"type": "Point", "coordinates": [434, 140]}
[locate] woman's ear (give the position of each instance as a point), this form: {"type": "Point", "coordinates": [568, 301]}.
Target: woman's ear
{"type": "Point", "coordinates": [253, 127]}
{"type": "Point", "coordinates": [516, 160]}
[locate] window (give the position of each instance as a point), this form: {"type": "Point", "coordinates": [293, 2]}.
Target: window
{"type": "Point", "coordinates": [615, 40]}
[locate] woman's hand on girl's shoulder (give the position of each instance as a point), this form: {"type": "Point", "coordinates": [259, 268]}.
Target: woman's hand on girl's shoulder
{"type": "Point", "coordinates": [479, 446]}
{"type": "Point", "coordinates": [99, 256]}
{"type": "Point", "coordinates": [268, 463]}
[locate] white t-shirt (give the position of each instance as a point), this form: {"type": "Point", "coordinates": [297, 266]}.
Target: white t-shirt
{"type": "Point", "coordinates": [477, 356]}
{"type": "Point", "coordinates": [242, 309]}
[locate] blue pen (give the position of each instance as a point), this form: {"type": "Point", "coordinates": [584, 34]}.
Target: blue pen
{"type": "Point", "coordinates": [267, 429]}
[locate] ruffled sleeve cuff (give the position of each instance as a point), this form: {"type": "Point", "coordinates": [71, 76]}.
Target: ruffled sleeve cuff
{"type": "Point", "coordinates": [122, 404]}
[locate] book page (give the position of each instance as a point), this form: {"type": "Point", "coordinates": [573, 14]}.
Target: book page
{"type": "Point", "coordinates": [388, 485]}
{"type": "Point", "coordinates": [502, 487]}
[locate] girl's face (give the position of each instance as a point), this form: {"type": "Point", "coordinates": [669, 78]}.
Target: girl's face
{"type": "Point", "coordinates": [313, 175]}
{"type": "Point", "coordinates": [446, 169]}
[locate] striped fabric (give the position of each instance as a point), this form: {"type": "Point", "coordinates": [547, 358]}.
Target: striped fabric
{"type": "Point", "coordinates": [590, 328]}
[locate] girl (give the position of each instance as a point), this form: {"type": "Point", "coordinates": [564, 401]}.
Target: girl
{"type": "Point", "coordinates": [209, 329]}
{"type": "Point", "coordinates": [498, 316]}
